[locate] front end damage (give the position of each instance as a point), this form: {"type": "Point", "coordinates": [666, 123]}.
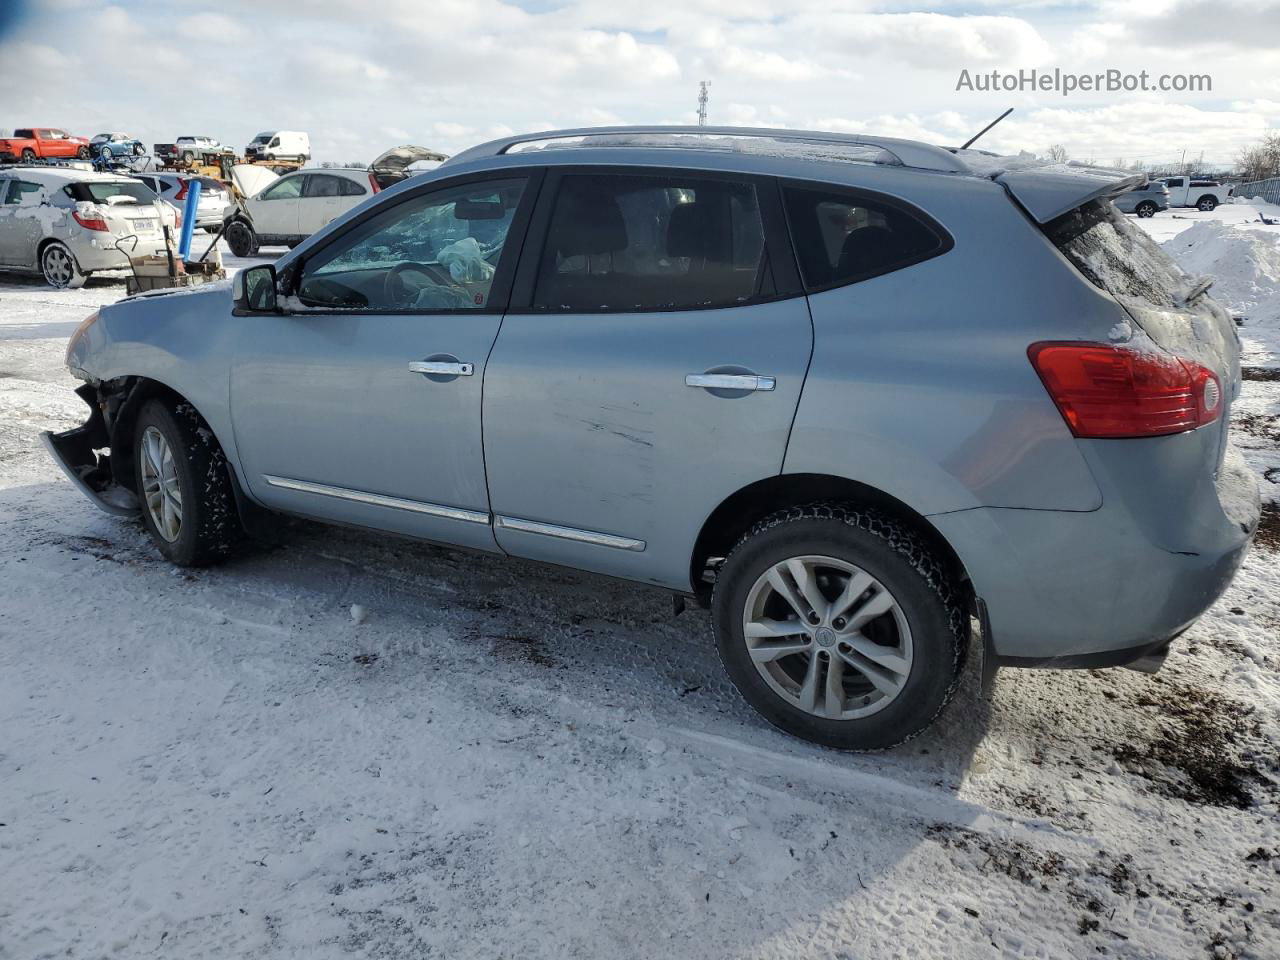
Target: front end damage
{"type": "Point", "coordinates": [84, 453]}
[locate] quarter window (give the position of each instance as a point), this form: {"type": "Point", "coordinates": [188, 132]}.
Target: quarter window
{"type": "Point", "coordinates": [624, 243]}
{"type": "Point", "coordinates": [841, 238]}
{"type": "Point", "coordinates": [437, 251]}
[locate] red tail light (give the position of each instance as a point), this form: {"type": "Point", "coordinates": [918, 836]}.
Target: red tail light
{"type": "Point", "coordinates": [1107, 391]}
{"type": "Point", "coordinates": [90, 222]}
{"type": "Point", "coordinates": [373, 183]}
{"type": "Point", "coordinates": [182, 189]}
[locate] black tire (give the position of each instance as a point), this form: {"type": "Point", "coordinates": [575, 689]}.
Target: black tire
{"type": "Point", "coordinates": [83, 153]}
{"type": "Point", "coordinates": [1207, 204]}
{"type": "Point", "coordinates": [920, 582]}
{"type": "Point", "coordinates": [104, 154]}
{"type": "Point", "coordinates": [28, 155]}
{"type": "Point", "coordinates": [241, 239]}
{"type": "Point", "coordinates": [188, 156]}
{"type": "Point", "coordinates": [1146, 209]}
{"type": "Point", "coordinates": [59, 267]}
{"type": "Point", "coordinates": [139, 150]}
{"type": "Point", "coordinates": [210, 526]}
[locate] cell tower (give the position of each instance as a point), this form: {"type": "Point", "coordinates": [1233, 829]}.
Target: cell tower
{"type": "Point", "coordinates": [702, 103]}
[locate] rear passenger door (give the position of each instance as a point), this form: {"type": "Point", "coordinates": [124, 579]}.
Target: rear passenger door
{"type": "Point", "coordinates": [650, 366]}
{"type": "Point", "coordinates": [325, 197]}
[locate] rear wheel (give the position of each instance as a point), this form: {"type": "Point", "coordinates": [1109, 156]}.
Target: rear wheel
{"type": "Point", "coordinates": [1146, 209]}
{"type": "Point", "coordinates": [188, 156]}
{"type": "Point", "coordinates": [241, 239]}
{"type": "Point", "coordinates": [60, 269]}
{"type": "Point", "coordinates": [187, 503]}
{"type": "Point", "coordinates": [83, 153]}
{"type": "Point", "coordinates": [1207, 204]}
{"type": "Point", "coordinates": [840, 626]}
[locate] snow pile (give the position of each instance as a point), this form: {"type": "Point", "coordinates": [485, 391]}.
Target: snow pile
{"type": "Point", "coordinates": [1246, 268]}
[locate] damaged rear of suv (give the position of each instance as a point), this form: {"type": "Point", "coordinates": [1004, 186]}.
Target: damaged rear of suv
{"type": "Point", "coordinates": [855, 395]}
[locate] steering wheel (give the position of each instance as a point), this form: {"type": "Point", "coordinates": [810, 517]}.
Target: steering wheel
{"type": "Point", "coordinates": [396, 291]}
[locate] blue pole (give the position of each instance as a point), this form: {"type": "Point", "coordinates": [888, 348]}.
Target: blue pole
{"type": "Point", "coordinates": [189, 219]}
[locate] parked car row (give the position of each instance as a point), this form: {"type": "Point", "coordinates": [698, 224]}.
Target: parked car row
{"type": "Point", "coordinates": [1150, 198]}
{"type": "Point", "coordinates": [67, 224]}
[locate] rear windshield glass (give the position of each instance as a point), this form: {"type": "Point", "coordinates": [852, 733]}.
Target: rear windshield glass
{"type": "Point", "coordinates": [1116, 256]}
{"type": "Point", "coordinates": [98, 191]}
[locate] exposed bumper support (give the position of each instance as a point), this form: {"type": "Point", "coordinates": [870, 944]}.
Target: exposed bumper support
{"type": "Point", "coordinates": [75, 452]}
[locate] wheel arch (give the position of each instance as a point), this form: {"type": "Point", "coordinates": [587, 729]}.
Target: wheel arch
{"type": "Point", "coordinates": [738, 512]}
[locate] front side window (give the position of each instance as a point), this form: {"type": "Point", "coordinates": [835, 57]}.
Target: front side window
{"type": "Point", "coordinates": [285, 188]}
{"type": "Point", "coordinates": [842, 238]}
{"type": "Point", "coordinates": [671, 242]}
{"type": "Point", "coordinates": [436, 251]}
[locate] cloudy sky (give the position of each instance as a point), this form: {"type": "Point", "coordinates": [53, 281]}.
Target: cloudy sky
{"type": "Point", "coordinates": [361, 75]}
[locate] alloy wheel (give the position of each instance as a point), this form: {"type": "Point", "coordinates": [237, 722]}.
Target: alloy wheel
{"type": "Point", "coordinates": [160, 487]}
{"type": "Point", "coordinates": [827, 637]}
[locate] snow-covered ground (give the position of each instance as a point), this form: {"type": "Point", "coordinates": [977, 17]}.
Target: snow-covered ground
{"type": "Point", "coordinates": [493, 759]}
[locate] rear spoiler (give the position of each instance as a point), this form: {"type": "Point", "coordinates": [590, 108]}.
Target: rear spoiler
{"type": "Point", "coordinates": [1048, 190]}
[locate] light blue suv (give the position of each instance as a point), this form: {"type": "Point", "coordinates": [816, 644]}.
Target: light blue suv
{"type": "Point", "coordinates": [861, 397]}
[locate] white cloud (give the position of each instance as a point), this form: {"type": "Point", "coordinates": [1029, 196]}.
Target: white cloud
{"type": "Point", "coordinates": [363, 77]}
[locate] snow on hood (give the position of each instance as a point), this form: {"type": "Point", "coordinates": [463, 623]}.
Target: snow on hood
{"type": "Point", "coordinates": [1046, 189]}
{"type": "Point", "coordinates": [399, 158]}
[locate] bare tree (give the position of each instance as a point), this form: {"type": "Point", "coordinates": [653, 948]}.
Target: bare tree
{"type": "Point", "coordinates": [1262, 160]}
{"type": "Point", "coordinates": [1057, 153]}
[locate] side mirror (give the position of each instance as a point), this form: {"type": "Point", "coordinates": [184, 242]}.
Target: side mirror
{"type": "Point", "coordinates": [254, 289]}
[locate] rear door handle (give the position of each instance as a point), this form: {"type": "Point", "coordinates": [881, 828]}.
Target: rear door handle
{"type": "Point", "coordinates": [729, 381]}
{"type": "Point", "coordinates": [442, 367]}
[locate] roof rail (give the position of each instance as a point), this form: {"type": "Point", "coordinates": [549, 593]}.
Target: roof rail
{"type": "Point", "coordinates": [909, 153]}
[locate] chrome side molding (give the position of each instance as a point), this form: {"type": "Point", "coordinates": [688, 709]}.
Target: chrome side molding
{"type": "Point", "coordinates": [569, 533]}
{"type": "Point", "coordinates": [378, 499]}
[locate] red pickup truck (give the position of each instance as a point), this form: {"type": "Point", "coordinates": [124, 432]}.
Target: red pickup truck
{"type": "Point", "coordinates": [32, 143]}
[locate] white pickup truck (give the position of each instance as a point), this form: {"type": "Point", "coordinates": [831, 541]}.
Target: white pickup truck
{"type": "Point", "coordinates": [1202, 194]}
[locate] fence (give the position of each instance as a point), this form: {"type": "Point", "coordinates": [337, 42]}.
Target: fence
{"type": "Point", "coordinates": [1268, 190]}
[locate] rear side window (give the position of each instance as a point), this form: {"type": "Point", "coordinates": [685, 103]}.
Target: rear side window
{"type": "Point", "coordinates": [20, 191]}
{"type": "Point", "coordinates": [843, 237]}
{"type": "Point", "coordinates": [668, 242]}
{"type": "Point", "coordinates": [1116, 256]}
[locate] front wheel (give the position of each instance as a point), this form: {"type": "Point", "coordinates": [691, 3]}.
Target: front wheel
{"type": "Point", "coordinates": [241, 239]}
{"type": "Point", "coordinates": [1207, 204]}
{"type": "Point", "coordinates": [60, 269]}
{"type": "Point", "coordinates": [840, 626]}
{"type": "Point", "coordinates": [105, 154]}
{"type": "Point", "coordinates": [1146, 209]}
{"type": "Point", "coordinates": [28, 155]}
{"type": "Point", "coordinates": [187, 503]}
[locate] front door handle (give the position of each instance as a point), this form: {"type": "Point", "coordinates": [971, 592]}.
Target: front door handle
{"type": "Point", "coordinates": [729, 381]}
{"type": "Point", "coordinates": [442, 368]}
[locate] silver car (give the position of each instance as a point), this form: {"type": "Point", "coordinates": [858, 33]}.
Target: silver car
{"type": "Point", "coordinates": [213, 205]}
{"type": "Point", "coordinates": [1145, 200]}
{"type": "Point", "coordinates": [67, 224]}
{"type": "Point", "coordinates": [850, 393]}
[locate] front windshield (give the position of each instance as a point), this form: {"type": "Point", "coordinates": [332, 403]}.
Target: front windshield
{"type": "Point", "coordinates": [262, 138]}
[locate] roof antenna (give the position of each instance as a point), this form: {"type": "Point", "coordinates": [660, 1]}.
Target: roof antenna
{"type": "Point", "coordinates": [968, 143]}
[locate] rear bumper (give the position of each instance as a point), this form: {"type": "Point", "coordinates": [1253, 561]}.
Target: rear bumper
{"type": "Point", "coordinates": [1114, 585]}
